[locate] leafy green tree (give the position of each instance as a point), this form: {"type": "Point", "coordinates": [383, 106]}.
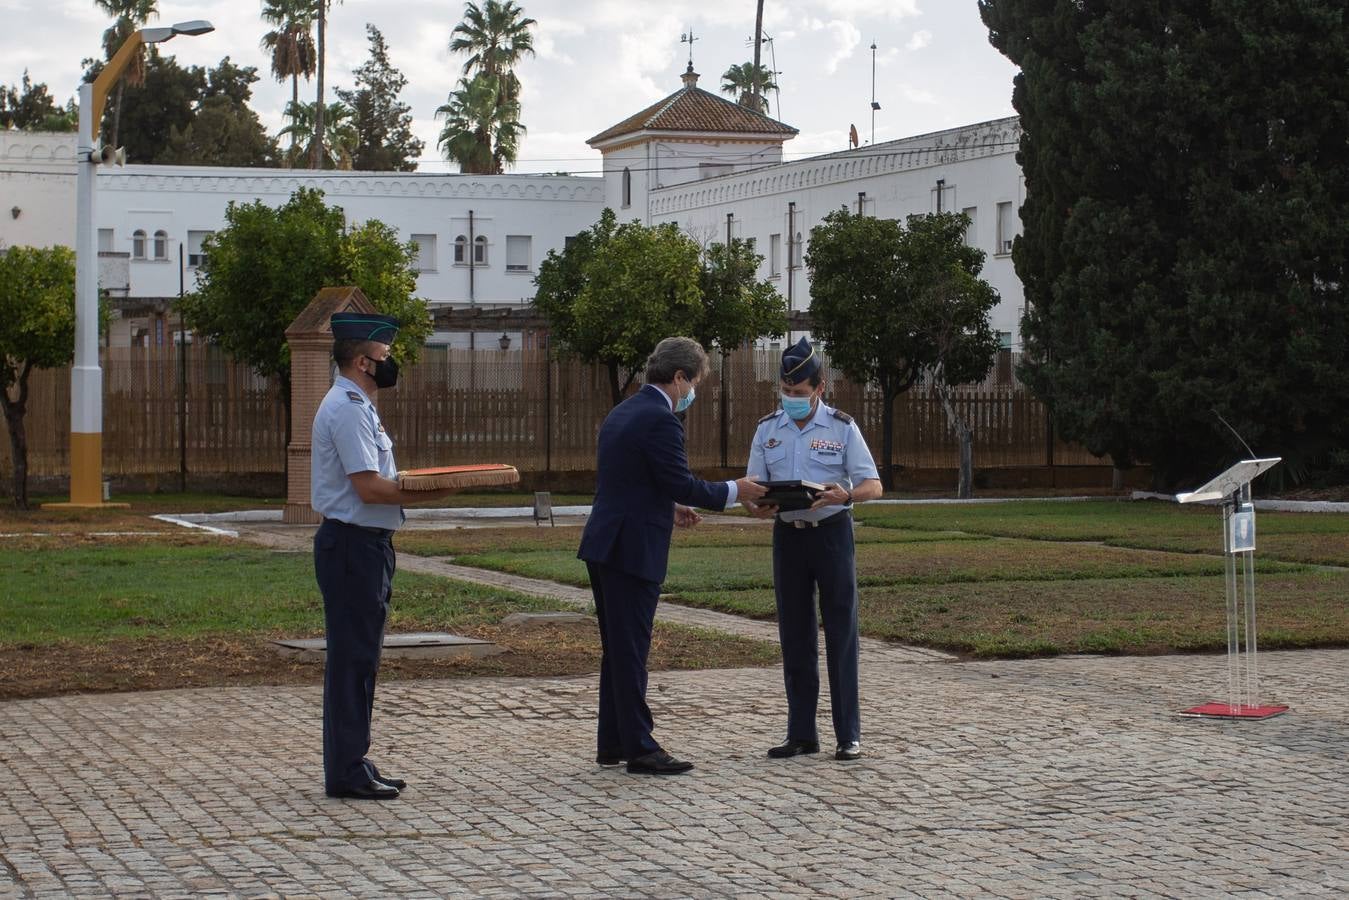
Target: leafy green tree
{"type": "Point", "coordinates": [37, 331]}
{"type": "Point", "coordinates": [479, 133]}
{"type": "Point", "coordinates": [319, 143]}
{"type": "Point", "coordinates": [30, 107]}
{"type": "Point", "coordinates": [147, 115]}
{"type": "Point", "coordinates": [130, 16]}
{"type": "Point", "coordinates": [1183, 248]}
{"type": "Point", "coordinates": [739, 82]}
{"type": "Point", "coordinates": [893, 303]}
{"type": "Point", "coordinates": [385, 142]}
{"type": "Point", "coordinates": [736, 306]}
{"type": "Point", "coordinates": [496, 36]}
{"type": "Point", "coordinates": [267, 263]}
{"type": "Point", "coordinates": [223, 131]}
{"type": "Point", "coordinates": [290, 46]}
{"type": "Point", "coordinates": [617, 291]}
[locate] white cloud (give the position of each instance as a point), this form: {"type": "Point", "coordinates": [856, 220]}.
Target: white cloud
{"type": "Point", "coordinates": [873, 9]}
{"type": "Point", "coordinates": [846, 37]}
{"type": "Point", "coordinates": [919, 40]}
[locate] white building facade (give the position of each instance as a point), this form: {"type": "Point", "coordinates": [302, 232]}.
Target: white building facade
{"type": "Point", "coordinates": [693, 158]}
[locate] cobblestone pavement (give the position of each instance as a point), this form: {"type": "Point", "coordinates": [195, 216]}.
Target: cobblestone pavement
{"type": "Point", "coordinates": [1064, 777]}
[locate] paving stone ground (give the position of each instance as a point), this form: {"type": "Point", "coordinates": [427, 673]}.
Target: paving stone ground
{"type": "Point", "coordinates": [1063, 777]}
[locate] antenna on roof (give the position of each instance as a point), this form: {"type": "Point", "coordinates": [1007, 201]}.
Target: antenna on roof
{"type": "Point", "coordinates": [688, 38]}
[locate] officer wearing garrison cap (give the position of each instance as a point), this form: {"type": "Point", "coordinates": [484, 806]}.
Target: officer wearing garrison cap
{"type": "Point", "coordinates": [807, 440]}
{"type": "Point", "coordinates": [354, 487]}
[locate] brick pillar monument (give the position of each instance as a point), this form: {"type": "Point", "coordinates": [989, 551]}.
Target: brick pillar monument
{"type": "Point", "coordinates": [311, 374]}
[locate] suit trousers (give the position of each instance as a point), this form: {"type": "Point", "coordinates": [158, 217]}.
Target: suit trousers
{"type": "Point", "coordinates": [804, 559]}
{"type": "Point", "coordinates": [354, 567]}
{"type": "Point", "coordinates": [626, 608]}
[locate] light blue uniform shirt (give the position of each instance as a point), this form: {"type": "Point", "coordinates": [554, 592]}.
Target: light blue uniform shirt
{"type": "Point", "coordinates": [828, 450]}
{"type": "Point", "coordinates": [348, 437]}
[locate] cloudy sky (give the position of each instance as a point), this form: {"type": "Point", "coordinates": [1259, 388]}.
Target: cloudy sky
{"type": "Point", "coordinates": [599, 61]}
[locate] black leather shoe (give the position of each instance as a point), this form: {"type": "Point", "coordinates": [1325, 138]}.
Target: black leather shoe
{"type": "Point", "coordinates": [792, 747]}
{"type": "Point", "coordinates": [658, 763]}
{"type": "Point", "coordinates": [392, 782]}
{"type": "Point", "coordinates": [371, 790]}
{"type": "Point", "coordinates": [850, 750]}
{"type": "Point", "coordinates": [610, 758]}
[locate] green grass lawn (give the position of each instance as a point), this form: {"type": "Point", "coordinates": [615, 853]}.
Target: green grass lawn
{"type": "Point", "coordinates": [93, 593]}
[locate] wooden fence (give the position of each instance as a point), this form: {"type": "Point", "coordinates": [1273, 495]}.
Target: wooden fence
{"type": "Point", "coordinates": [200, 413]}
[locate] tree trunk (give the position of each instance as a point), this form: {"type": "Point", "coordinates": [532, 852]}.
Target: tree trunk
{"type": "Point", "coordinates": [614, 391]}
{"type": "Point", "coordinates": [295, 106]}
{"type": "Point", "coordinates": [758, 43]}
{"type": "Point", "coordinates": [316, 147]}
{"type": "Point", "coordinates": [18, 438]}
{"type": "Point", "coordinates": [964, 434]}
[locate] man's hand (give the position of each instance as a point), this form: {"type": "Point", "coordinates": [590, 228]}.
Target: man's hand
{"type": "Point", "coordinates": [834, 495]}
{"type": "Point", "coordinates": [686, 516]}
{"type": "Point", "coordinates": [749, 490]}
{"type": "Point", "coordinates": [761, 511]}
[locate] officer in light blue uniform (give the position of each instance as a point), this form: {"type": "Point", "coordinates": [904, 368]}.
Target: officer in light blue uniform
{"type": "Point", "coordinates": [354, 487]}
{"type": "Point", "coordinates": [813, 548]}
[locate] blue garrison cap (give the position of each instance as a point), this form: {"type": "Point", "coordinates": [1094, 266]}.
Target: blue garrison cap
{"type": "Point", "coordinates": [352, 326]}
{"type": "Point", "coordinates": [799, 362]}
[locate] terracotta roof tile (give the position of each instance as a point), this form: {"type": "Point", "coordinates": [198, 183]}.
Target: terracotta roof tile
{"type": "Point", "coordinates": [694, 109]}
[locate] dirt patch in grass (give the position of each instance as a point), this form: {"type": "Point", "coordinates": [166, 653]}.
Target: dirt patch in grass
{"type": "Point", "coordinates": [551, 650]}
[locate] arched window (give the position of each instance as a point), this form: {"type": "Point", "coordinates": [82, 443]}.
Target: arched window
{"type": "Point", "coordinates": [627, 187]}
{"type": "Point", "coordinates": [480, 250]}
{"type": "Point", "coordinates": [461, 250]}
{"type": "Point", "coordinates": [161, 244]}
{"type": "Point", "coordinates": [138, 244]}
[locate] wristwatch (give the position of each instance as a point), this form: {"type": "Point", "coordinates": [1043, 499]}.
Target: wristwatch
{"type": "Point", "coordinates": [848, 502]}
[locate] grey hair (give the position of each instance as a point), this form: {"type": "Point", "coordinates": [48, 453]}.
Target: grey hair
{"type": "Point", "coordinates": [674, 355]}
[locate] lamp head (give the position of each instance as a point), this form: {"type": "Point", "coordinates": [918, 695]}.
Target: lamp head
{"type": "Point", "coordinates": [193, 27]}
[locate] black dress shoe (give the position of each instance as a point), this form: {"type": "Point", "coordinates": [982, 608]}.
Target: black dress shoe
{"type": "Point", "coordinates": [610, 758]}
{"type": "Point", "coordinates": [371, 790]}
{"type": "Point", "coordinates": [792, 747]}
{"type": "Point", "coordinates": [658, 763]}
{"type": "Point", "coordinates": [392, 782]}
{"type": "Point", "coordinates": [850, 750]}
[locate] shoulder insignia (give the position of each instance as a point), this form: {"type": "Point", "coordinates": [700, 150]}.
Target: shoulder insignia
{"type": "Point", "coordinates": [355, 397]}
{"type": "Point", "coordinates": [772, 415]}
{"type": "Point", "coordinates": [842, 417]}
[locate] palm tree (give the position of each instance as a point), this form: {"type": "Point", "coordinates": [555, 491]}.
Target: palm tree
{"type": "Point", "coordinates": [496, 36]}
{"type": "Point", "coordinates": [337, 146]}
{"type": "Point", "coordinates": [738, 81]}
{"type": "Point", "coordinates": [480, 134]}
{"type": "Point", "coordinates": [321, 7]}
{"type": "Point", "coordinates": [130, 16]}
{"type": "Point", "coordinates": [291, 45]}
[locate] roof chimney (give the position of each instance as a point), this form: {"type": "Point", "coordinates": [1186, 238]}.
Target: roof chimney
{"type": "Point", "coordinates": [690, 77]}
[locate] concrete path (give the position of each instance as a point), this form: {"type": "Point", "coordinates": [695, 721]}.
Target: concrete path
{"type": "Point", "coordinates": [1065, 777]}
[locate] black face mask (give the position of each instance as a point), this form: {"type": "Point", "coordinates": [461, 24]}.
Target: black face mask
{"type": "Point", "coordinates": [386, 372]}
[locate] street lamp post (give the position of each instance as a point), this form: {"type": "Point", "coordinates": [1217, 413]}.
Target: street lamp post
{"type": "Point", "coordinates": [86, 377]}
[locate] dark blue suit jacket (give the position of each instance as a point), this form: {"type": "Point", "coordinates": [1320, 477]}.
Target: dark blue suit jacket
{"type": "Point", "coordinates": [642, 472]}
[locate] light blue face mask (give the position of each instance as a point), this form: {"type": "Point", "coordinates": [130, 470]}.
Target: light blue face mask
{"type": "Point", "coordinates": [685, 401]}
{"type": "Point", "coordinates": [796, 407]}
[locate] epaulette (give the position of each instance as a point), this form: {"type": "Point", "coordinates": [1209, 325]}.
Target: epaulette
{"type": "Point", "coordinates": [842, 417]}
{"type": "Point", "coordinates": [355, 397]}
{"type": "Point", "coordinates": [772, 415]}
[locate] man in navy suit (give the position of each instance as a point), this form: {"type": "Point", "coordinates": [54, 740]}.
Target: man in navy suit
{"type": "Point", "coordinates": [644, 488]}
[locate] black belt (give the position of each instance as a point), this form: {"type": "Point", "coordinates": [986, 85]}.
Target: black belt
{"type": "Point", "coordinates": [382, 532]}
{"type": "Point", "coordinates": [806, 523]}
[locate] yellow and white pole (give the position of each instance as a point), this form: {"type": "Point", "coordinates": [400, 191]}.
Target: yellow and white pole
{"type": "Point", "coordinates": [86, 377]}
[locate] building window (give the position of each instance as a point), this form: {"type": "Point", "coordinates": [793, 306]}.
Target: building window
{"type": "Point", "coordinates": [627, 187]}
{"type": "Point", "coordinates": [424, 252]}
{"type": "Point", "coordinates": [480, 250]}
{"type": "Point", "coordinates": [138, 244]}
{"type": "Point", "coordinates": [161, 244]}
{"type": "Point", "coordinates": [517, 252]}
{"type": "Point", "coordinates": [713, 170]}
{"type": "Point", "coordinates": [196, 256]}
{"type": "Point", "coordinates": [774, 255]}
{"type": "Point", "coordinates": [105, 240]}
{"type": "Point", "coordinates": [971, 233]}
{"type": "Point", "coordinates": [1006, 228]}
{"type": "Point", "coordinates": [461, 251]}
